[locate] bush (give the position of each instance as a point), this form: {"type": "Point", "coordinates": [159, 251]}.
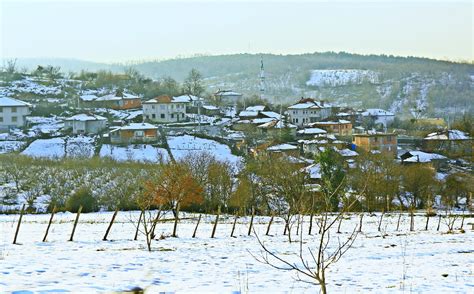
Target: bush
{"type": "Point", "coordinates": [83, 197]}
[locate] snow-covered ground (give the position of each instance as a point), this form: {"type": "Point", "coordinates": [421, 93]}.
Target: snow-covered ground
{"type": "Point", "coordinates": [46, 125]}
{"type": "Point", "coordinates": [181, 146]}
{"type": "Point", "coordinates": [400, 261]}
{"type": "Point", "coordinates": [80, 146]}
{"type": "Point", "coordinates": [10, 146]}
{"type": "Point", "coordinates": [341, 77]}
{"type": "Point", "coordinates": [138, 152]}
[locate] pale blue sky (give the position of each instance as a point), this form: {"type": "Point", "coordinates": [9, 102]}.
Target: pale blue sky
{"type": "Point", "coordinates": [111, 31]}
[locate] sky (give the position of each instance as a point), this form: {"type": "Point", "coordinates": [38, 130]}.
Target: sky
{"type": "Point", "coordinates": [127, 30]}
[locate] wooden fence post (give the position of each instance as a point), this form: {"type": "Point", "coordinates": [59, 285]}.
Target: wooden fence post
{"type": "Point", "coordinates": [251, 221]}
{"type": "Point", "coordinates": [339, 225]}
{"type": "Point", "coordinates": [233, 226]}
{"type": "Point", "coordinates": [269, 225]}
{"type": "Point", "coordinates": [439, 222]}
{"type": "Point", "coordinates": [360, 223]}
{"type": "Point", "coordinates": [110, 225]}
{"type": "Point", "coordinates": [412, 221]}
{"type": "Point", "coordinates": [75, 223]}
{"type": "Point", "coordinates": [310, 222]}
{"type": "Point", "coordinates": [138, 226]}
{"type": "Point", "coordinates": [49, 224]}
{"type": "Point", "coordinates": [19, 223]}
{"type": "Point", "coordinates": [196, 228]}
{"type": "Point", "coordinates": [398, 222]}
{"type": "Point", "coordinates": [427, 221]}
{"type": "Point", "coordinates": [215, 223]}
{"type": "Point", "coordinates": [380, 222]}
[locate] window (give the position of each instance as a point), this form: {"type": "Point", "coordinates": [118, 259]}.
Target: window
{"type": "Point", "coordinates": [1, 119]}
{"type": "Point", "coordinates": [1, 109]}
{"type": "Point", "coordinates": [162, 115]}
{"type": "Point", "coordinates": [13, 109]}
{"type": "Point", "coordinates": [153, 107]}
{"type": "Point", "coordinates": [162, 106]}
{"type": "Point", "coordinates": [172, 115]}
{"type": "Point", "coordinates": [14, 119]}
{"type": "Point", "coordinates": [139, 133]}
{"type": "Point", "coordinates": [153, 115]}
{"type": "Point", "coordinates": [182, 115]}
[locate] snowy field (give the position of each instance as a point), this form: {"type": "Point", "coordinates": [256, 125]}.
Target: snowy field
{"type": "Point", "coordinates": [10, 146]}
{"type": "Point", "coordinates": [137, 152]}
{"type": "Point", "coordinates": [61, 147]}
{"type": "Point", "coordinates": [380, 262]}
{"type": "Point", "coordinates": [181, 146]}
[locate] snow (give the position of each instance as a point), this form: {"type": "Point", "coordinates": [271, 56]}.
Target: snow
{"type": "Point", "coordinates": [282, 147]}
{"type": "Point", "coordinates": [247, 113]}
{"type": "Point", "coordinates": [256, 108]}
{"type": "Point", "coordinates": [56, 148]}
{"type": "Point", "coordinates": [419, 156]}
{"type": "Point", "coordinates": [29, 86]}
{"type": "Point", "coordinates": [138, 152]}
{"type": "Point", "coordinates": [10, 146]}
{"type": "Point", "coordinates": [139, 126]}
{"type": "Point", "coordinates": [311, 131]}
{"type": "Point", "coordinates": [341, 77]}
{"type": "Point", "coordinates": [49, 148]}
{"type": "Point", "coordinates": [5, 101]}
{"type": "Point", "coordinates": [397, 262]}
{"type": "Point", "coordinates": [271, 114]}
{"type": "Point", "coordinates": [448, 135]}
{"type": "Point", "coordinates": [45, 125]}
{"type": "Point", "coordinates": [182, 146]}
{"type": "Point", "coordinates": [376, 112]}
{"type": "Point", "coordinates": [347, 153]}
{"type": "Point", "coordinates": [86, 117]}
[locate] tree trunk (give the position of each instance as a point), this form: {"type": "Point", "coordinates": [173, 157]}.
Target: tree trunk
{"type": "Point", "coordinates": [310, 222]}
{"type": "Point", "coordinates": [19, 223]}
{"type": "Point", "coordinates": [215, 223]}
{"type": "Point", "coordinates": [360, 223]}
{"type": "Point", "coordinates": [398, 222]}
{"type": "Point", "coordinates": [380, 222]}
{"type": "Point", "coordinates": [269, 225]}
{"type": "Point", "coordinates": [176, 217]}
{"type": "Point", "coordinates": [110, 225]}
{"type": "Point", "coordinates": [75, 223]}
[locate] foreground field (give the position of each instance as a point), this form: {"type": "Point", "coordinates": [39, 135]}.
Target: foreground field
{"type": "Point", "coordinates": [385, 261]}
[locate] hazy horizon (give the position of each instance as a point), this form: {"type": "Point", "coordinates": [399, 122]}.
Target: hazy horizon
{"type": "Point", "coordinates": [109, 31]}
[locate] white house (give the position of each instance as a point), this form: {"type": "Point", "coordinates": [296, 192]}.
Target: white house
{"type": "Point", "coordinates": [85, 123]}
{"type": "Point", "coordinates": [228, 97]}
{"type": "Point", "coordinates": [190, 100]}
{"type": "Point", "coordinates": [165, 109]}
{"type": "Point", "coordinates": [13, 113]}
{"type": "Point", "coordinates": [308, 110]}
{"type": "Point", "coordinates": [379, 116]}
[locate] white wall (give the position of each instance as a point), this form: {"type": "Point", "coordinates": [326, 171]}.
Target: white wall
{"type": "Point", "coordinates": [8, 113]}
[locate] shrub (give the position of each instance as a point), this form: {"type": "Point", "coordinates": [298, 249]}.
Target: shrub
{"type": "Point", "coordinates": [82, 196]}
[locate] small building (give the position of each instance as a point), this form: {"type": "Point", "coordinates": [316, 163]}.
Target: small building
{"type": "Point", "coordinates": [375, 141]}
{"type": "Point", "coordinates": [340, 127]}
{"type": "Point", "coordinates": [276, 127]}
{"type": "Point", "coordinates": [165, 109]}
{"type": "Point", "coordinates": [85, 123]}
{"type": "Point", "coordinates": [449, 142]}
{"type": "Point", "coordinates": [134, 133]}
{"type": "Point", "coordinates": [119, 101]}
{"type": "Point", "coordinates": [379, 116]}
{"type": "Point", "coordinates": [308, 110]}
{"type": "Point", "coordinates": [311, 132]}
{"type": "Point", "coordinates": [438, 161]}
{"type": "Point", "coordinates": [227, 97]}
{"type": "Point", "coordinates": [13, 113]}
{"type": "Point", "coordinates": [284, 148]}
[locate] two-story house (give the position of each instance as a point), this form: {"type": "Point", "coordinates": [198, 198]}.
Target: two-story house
{"type": "Point", "coordinates": [307, 111]}
{"type": "Point", "coordinates": [164, 109]}
{"type": "Point", "coordinates": [375, 141]}
{"type": "Point", "coordinates": [13, 113]}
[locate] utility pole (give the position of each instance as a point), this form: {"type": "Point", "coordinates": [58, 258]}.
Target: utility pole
{"type": "Point", "coordinates": [262, 78]}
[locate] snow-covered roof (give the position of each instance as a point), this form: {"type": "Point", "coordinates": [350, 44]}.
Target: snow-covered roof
{"type": "Point", "coordinates": [248, 113]}
{"type": "Point", "coordinates": [419, 156]}
{"type": "Point", "coordinates": [88, 97]}
{"type": "Point", "coordinates": [262, 120]}
{"type": "Point", "coordinates": [448, 135]}
{"type": "Point", "coordinates": [6, 101]}
{"type": "Point", "coordinates": [282, 147]}
{"type": "Point", "coordinates": [85, 117]}
{"type": "Point", "coordinates": [347, 153]}
{"type": "Point", "coordinates": [314, 171]}
{"type": "Point", "coordinates": [256, 108]}
{"type": "Point", "coordinates": [187, 98]}
{"type": "Point", "coordinates": [139, 126]}
{"type": "Point", "coordinates": [114, 97]}
{"type": "Point", "coordinates": [168, 99]}
{"type": "Point", "coordinates": [311, 131]}
{"type": "Point", "coordinates": [227, 93]}
{"type": "Point", "coordinates": [376, 112]}
{"type": "Point", "coordinates": [271, 114]}
{"type": "Point", "coordinates": [277, 124]}
{"type": "Point", "coordinates": [341, 121]}
{"type": "Point", "coordinates": [210, 107]}
{"type": "Point", "coordinates": [306, 103]}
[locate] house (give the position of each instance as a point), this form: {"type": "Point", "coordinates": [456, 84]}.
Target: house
{"type": "Point", "coordinates": [320, 142]}
{"type": "Point", "coordinates": [276, 127]}
{"type": "Point", "coordinates": [120, 100]}
{"type": "Point", "coordinates": [375, 141]}
{"type": "Point", "coordinates": [452, 142]}
{"type": "Point", "coordinates": [308, 110]}
{"type": "Point", "coordinates": [134, 133]}
{"type": "Point", "coordinates": [164, 109]}
{"type": "Point", "coordinates": [13, 113]}
{"type": "Point", "coordinates": [284, 148]}
{"type": "Point", "coordinates": [419, 157]}
{"type": "Point", "coordinates": [310, 132]}
{"type": "Point", "coordinates": [341, 127]}
{"type": "Point", "coordinates": [379, 116]}
{"type": "Point", "coordinates": [85, 123]}
{"type": "Point", "coordinates": [190, 100]}
{"type": "Point", "coordinates": [227, 97]}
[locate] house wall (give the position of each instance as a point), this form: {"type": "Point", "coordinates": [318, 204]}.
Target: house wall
{"type": "Point", "coordinates": [300, 117]}
{"type": "Point", "coordinates": [134, 136]}
{"type": "Point", "coordinates": [164, 112]}
{"type": "Point", "coordinates": [130, 103]}
{"type": "Point", "coordinates": [383, 143]}
{"type": "Point", "coordinates": [13, 117]}
{"type": "Point", "coordinates": [340, 129]}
